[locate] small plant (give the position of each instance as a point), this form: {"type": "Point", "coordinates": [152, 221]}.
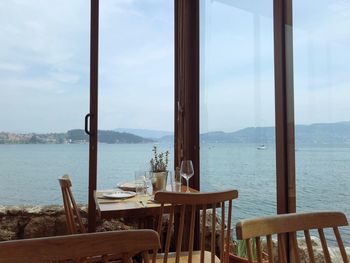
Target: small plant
{"type": "Point", "coordinates": [241, 248]}
{"type": "Point", "coordinates": [159, 162]}
{"type": "Point", "coordinates": [240, 252]}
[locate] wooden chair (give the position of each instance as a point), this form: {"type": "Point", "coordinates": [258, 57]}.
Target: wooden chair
{"type": "Point", "coordinates": [187, 204]}
{"type": "Point", "coordinates": [76, 248]}
{"type": "Point", "coordinates": [74, 223]}
{"type": "Point", "coordinates": [291, 223]}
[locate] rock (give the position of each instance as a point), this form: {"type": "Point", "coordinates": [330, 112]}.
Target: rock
{"type": "Point", "coordinates": [2, 210]}
{"type": "Point", "coordinates": [17, 222]}
{"type": "Point", "coordinates": [9, 223]}
{"type": "Point", "coordinates": [40, 227]}
{"type": "Point", "coordinates": [208, 227]}
{"type": "Point", "coordinates": [6, 235]}
{"type": "Point", "coordinates": [83, 210]}
{"type": "Point", "coordinates": [336, 255]}
{"type": "Point", "coordinates": [208, 221]}
{"type": "Point", "coordinates": [33, 210]}
{"type": "Point", "coordinates": [14, 210]}
{"type": "Point", "coordinates": [60, 225]}
{"type": "Point", "coordinates": [112, 225]}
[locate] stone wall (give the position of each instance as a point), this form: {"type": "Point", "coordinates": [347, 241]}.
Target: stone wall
{"type": "Point", "coordinates": [18, 222]}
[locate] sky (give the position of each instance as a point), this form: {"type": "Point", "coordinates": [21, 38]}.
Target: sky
{"type": "Point", "coordinates": [44, 64]}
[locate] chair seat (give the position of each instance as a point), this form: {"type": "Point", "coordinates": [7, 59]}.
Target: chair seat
{"type": "Point", "coordinates": [196, 255]}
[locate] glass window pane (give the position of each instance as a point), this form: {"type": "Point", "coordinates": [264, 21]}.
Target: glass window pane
{"type": "Point", "coordinates": [136, 86]}
{"type": "Point", "coordinates": [237, 103]}
{"type": "Point", "coordinates": [321, 77]}
{"type": "Point", "coordinates": [44, 80]}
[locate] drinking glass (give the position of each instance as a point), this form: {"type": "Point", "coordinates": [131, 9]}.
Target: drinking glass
{"type": "Point", "coordinates": [140, 183]}
{"type": "Point", "coordinates": [141, 188]}
{"type": "Point", "coordinates": [187, 171]}
{"type": "Point", "coordinates": [176, 180]}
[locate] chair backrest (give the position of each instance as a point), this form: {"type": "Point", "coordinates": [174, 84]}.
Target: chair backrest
{"type": "Point", "coordinates": [188, 204]}
{"type": "Point", "coordinates": [79, 247]}
{"type": "Point", "coordinates": [74, 223]}
{"type": "Point", "coordinates": [291, 223]}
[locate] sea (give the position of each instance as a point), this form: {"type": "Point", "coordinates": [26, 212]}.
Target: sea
{"type": "Point", "coordinates": [29, 174]}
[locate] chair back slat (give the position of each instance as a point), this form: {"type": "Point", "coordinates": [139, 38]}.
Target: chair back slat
{"type": "Point", "coordinates": [222, 241]}
{"type": "Point", "coordinates": [193, 202]}
{"type": "Point", "coordinates": [213, 233]}
{"type": "Point", "coordinates": [169, 233]}
{"type": "Point", "coordinates": [180, 233]}
{"type": "Point", "coordinates": [80, 247]}
{"type": "Point", "coordinates": [160, 221]}
{"type": "Point", "coordinates": [340, 244]}
{"type": "Point", "coordinates": [228, 234]}
{"type": "Point", "coordinates": [73, 218]}
{"type": "Point", "coordinates": [327, 257]}
{"type": "Point", "coordinates": [258, 249]}
{"type": "Point", "coordinates": [204, 218]}
{"type": "Point", "coordinates": [269, 248]}
{"type": "Point", "coordinates": [71, 228]}
{"type": "Point", "coordinates": [281, 248]}
{"type": "Point", "coordinates": [159, 230]}
{"type": "Point", "coordinates": [309, 246]}
{"type": "Point", "coordinates": [249, 250]}
{"type": "Point", "coordinates": [76, 212]}
{"type": "Point", "coordinates": [295, 248]}
{"type": "Point", "coordinates": [192, 227]}
{"type": "Point", "coordinates": [290, 224]}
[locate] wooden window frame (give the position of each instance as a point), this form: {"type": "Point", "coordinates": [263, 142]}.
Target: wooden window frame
{"type": "Point", "coordinates": [93, 114]}
{"type": "Point", "coordinates": [284, 111]}
{"type": "Point", "coordinates": [187, 85]}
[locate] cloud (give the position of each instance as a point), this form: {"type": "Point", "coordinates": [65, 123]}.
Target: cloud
{"type": "Point", "coordinates": [12, 67]}
{"type": "Point", "coordinates": [65, 77]}
{"type": "Point", "coordinates": [44, 63]}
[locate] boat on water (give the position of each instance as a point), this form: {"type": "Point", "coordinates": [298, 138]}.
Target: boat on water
{"type": "Point", "coordinates": [262, 147]}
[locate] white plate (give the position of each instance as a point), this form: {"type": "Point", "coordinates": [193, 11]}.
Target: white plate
{"type": "Point", "coordinates": [129, 186]}
{"type": "Point", "coordinates": [119, 195]}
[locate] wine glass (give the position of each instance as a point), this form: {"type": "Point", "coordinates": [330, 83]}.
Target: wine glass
{"type": "Point", "coordinates": [187, 171]}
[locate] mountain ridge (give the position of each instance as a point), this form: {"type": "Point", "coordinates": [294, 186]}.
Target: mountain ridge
{"type": "Point", "coordinates": [316, 133]}
{"type": "Point", "coordinates": [145, 133]}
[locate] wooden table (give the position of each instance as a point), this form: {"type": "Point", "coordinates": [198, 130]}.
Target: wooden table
{"type": "Point", "coordinates": [131, 207]}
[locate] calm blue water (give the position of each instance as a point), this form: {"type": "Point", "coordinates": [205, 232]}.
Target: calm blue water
{"type": "Point", "coordinates": [29, 173]}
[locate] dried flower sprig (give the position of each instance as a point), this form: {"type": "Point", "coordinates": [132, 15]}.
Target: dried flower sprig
{"type": "Point", "coordinates": [159, 162]}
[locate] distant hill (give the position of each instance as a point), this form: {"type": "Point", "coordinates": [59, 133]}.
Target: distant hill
{"type": "Point", "coordinates": [319, 133]}
{"type": "Point", "coordinates": [151, 134]}
{"type": "Point", "coordinates": [247, 135]}
{"type": "Point", "coordinates": [76, 136]}
{"type": "Point", "coordinates": [72, 136]}
{"type": "Point", "coordinates": [323, 133]}
{"type": "Point", "coordinates": [32, 138]}
{"type": "Point", "coordinates": [261, 135]}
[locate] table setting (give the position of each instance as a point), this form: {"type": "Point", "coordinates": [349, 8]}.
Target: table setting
{"type": "Point", "coordinates": [134, 196]}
